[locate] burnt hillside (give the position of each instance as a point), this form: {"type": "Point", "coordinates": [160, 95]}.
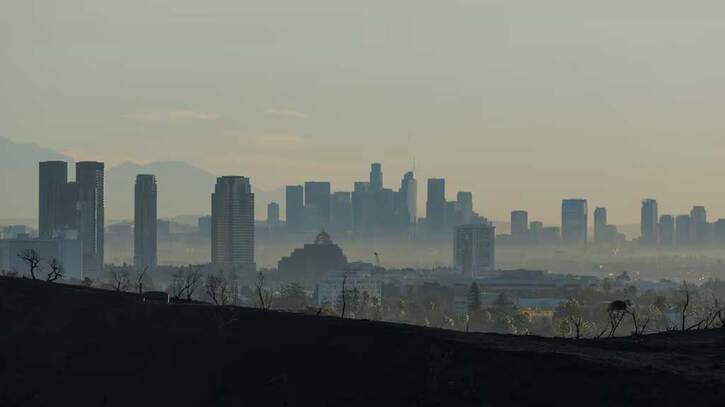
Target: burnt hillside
{"type": "Point", "coordinates": [66, 345]}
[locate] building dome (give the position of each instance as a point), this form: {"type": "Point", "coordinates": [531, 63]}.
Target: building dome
{"type": "Point", "coordinates": [323, 238]}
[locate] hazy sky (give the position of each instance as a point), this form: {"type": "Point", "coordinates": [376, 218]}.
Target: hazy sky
{"type": "Point", "coordinates": [522, 102]}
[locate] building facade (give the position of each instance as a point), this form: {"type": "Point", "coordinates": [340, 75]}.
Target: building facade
{"type": "Point", "coordinates": [145, 253]}
{"type": "Point", "coordinates": [232, 212]}
{"type": "Point", "coordinates": [474, 249]}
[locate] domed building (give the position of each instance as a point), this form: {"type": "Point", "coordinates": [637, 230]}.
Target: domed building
{"type": "Point", "coordinates": [308, 264]}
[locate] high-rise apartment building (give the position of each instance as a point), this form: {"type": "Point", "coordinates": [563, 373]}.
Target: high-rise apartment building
{"type": "Point", "coordinates": [90, 180]}
{"type": "Point", "coordinates": [145, 254]}
{"type": "Point", "coordinates": [232, 212]}
{"type": "Point", "coordinates": [53, 175]}
{"type": "Point", "coordinates": [574, 221]}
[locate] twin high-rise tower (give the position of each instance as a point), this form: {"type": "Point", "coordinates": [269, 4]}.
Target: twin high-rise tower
{"type": "Point", "coordinates": [74, 210]}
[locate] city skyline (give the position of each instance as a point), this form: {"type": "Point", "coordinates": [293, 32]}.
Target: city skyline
{"type": "Point", "coordinates": [520, 104]}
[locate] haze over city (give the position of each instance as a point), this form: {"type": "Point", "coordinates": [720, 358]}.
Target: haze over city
{"type": "Point", "coordinates": [522, 104]}
{"type": "Point", "coordinates": [362, 203]}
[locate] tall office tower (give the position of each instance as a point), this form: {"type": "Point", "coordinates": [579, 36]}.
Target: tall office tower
{"type": "Point", "coordinates": [53, 175]}
{"type": "Point", "coordinates": [145, 255]}
{"type": "Point", "coordinates": [465, 206]}
{"type": "Point", "coordinates": [574, 221]}
{"type": "Point", "coordinates": [294, 200]}
{"type": "Point", "coordinates": [272, 213]}
{"type": "Point", "coordinates": [683, 230]}
{"type": "Point", "coordinates": [536, 230]}
{"type": "Point", "coordinates": [376, 177]}
{"type": "Point", "coordinates": [519, 225]}
{"type": "Point", "coordinates": [474, 249]}
{"type": "Point", "coordinates": [600, 225]}
{"type": "Point", "coordinates": [232, 214]}
{"type": "Point", "coordinates": [89, 177]}
{"type": "Point", "coordinates": [666, 230]}
{"type": "Point", "coordinates": [698, 219]}
{"type": "Point", "coordinates": [363, 209]}
{"type": "Point", "coordinates": [341, 211]}
{"type": "Point", "coordinates": [384, 209]}
{"type": "Point", "coordinates": [317, 201]}
{"type": "Point", "coordinates": [435, 206]}
{"type": "Point", "coordinates": [408, 199]}
{"type": "Point", "coordinates": [648, 224]}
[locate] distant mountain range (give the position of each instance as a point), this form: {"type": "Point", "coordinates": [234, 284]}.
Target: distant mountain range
{"type": "Point", "coordinates": [183, 188]}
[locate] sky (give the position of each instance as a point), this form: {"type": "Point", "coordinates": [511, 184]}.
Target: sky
{"type": "Point", "coordinates": [521, 102]}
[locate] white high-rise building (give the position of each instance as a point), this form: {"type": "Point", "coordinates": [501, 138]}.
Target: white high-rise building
{"type": "Point", "coordinates": [474, 249]}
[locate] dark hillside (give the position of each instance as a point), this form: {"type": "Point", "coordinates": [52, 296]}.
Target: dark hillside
{"type": "Point", "coordinates": [65, 345]}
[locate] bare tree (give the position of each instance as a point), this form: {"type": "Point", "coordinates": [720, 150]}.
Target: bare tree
{"type": "Point", "coordinates": [120, 278]}
{"type": "Point", "coordinates": [56, 271]}
{"type": "Point", "coordinates": [640, 324]}
{"type": "Point", "coordinates": [219, 289]}
{"type": "Point", "coordinates": [344, 300]}
{"type": "Point", "coordinates": [263, 296]}
{"type": "Point", "coordinates": [192, 278]}
{"type": "Point", "coordinates": [139, 280]}
{"type": "Point", "coordinates": [32, 259]}
{"type": "Point", "coordinates": [685, 304]}
{"type": "Point", "coordinates": [616, 311]}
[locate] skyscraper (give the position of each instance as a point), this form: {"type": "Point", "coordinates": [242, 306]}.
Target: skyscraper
{"type": "Point", "coordinates": [666, 230]}
{"type": "Point", "coordinates": [648, 224]}
{"type": "Point", "coordinates": [474, 249]}
{"type": "Point", "coordinates": [408, 199]}
{"type": "Point", "coordinates": [232, 212]}
{"type": "Point", "coordinates": [341, 211]}
{"type": "Point", "coordinates": [683, 230]}
{"type": "Point", "coordinates": [435, 207]}
{"type": "Point", "coordinates": [363, 209]}
{"type": "Point", "coordinates": [698, 218]}
{"type": "Point", "coordinates": [272, 213]}
{"type": "Point", "coordinates": [536, 229]}
{"type": "Point", "coordinates": [600, 224]}
{"type": "Point", "coordinates": [53, 175]}
{"type": "Point", "coordinates": [90, 180]}
{"type": "Point", "coordinates": [317, 201]}
{"type": "Point", "coordinates": [294, 200]}
{"type": "Point", "coordinates": [465, 206]}
{"type": "Point", "coordinates": [376, 177]}
{"type": "Point", "coordinates": [574, 221]}
{"type": "Point", "coordinates": [519, 225]}
{"type": "Point", "coordinates": [145, 255]}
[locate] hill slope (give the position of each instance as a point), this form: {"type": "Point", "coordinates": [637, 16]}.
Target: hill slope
{"type": "Point", "coordinates": [63, 345]}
